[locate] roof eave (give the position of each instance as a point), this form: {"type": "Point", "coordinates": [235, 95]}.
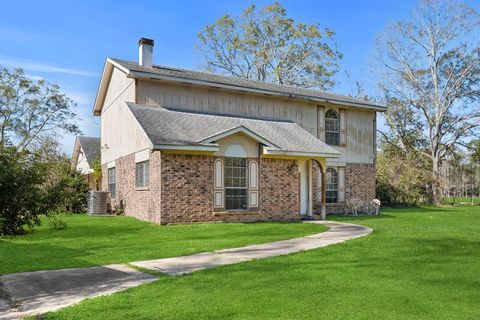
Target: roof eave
{"type": "Point", "coordinates": [104, 82]}
{"type": "Point", "coordinates": [76, 149]}
{"type": "Point", "coordinates": [280, 152]}
{"type": "Point", "coordinates": [154, 76]}
{"type": "Point", "coordinates": [203, 148]}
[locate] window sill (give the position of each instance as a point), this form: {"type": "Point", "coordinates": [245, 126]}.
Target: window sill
{"type": "Point", "coordinates": [231, 212]}
{"type": "Point", "coordinates": [142, 188]}
{"type": "Point", "coordinates": [333, 204]}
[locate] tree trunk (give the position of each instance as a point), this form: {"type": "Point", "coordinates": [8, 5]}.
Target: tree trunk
{"type": "Point", "coordinates": [436, 193]}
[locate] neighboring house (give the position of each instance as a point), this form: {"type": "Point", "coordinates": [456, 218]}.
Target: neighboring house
{"type": "Point", "coordinates": [182, 146]}
{"type": "Point", "coordinates": [85, 152]}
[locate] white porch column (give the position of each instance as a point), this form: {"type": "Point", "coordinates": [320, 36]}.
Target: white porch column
{"type": "Point", "coordinates": [310, 187]}
{"type": "Point", "coordinates": [323, 214]}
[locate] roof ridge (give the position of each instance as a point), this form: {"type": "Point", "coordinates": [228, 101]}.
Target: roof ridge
{"type": "Point", "coordinates": [339, 96]}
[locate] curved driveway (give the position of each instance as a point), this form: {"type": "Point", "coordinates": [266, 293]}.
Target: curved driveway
{"type": "Point", "coordinates": [28, 293]}
{"type": "Point", "coordinates": [338, 232]}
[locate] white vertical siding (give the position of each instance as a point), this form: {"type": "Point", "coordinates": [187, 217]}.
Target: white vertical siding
{"type": "Point", "coordinates": [121, 135]}
{"type": "Point", "coordinates": [204, 99]}
{"type": "Point", "coordinates": [358, 128]}
{"type": "Point", "coordinates": [82, 163]}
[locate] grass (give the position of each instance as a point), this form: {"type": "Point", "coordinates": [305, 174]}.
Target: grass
{"type": "Point", "coordinates": [417, 264]}
{"type": "Point", "coordinates": [90, 241]}
{"type": "Point", "coordinates": [460, 200]}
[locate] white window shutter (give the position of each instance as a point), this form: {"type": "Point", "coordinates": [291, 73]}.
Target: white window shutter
{"type": "Point", "coordinates": [343, 127]}
{"type": "Point", "coordinates": [321, 123]}
{"type": "Point", "coordinates": [218, 193]}
{"type": "Point", "coordinates": [253, 184]}
{"type": "Point", "coordinates": [341, 184]}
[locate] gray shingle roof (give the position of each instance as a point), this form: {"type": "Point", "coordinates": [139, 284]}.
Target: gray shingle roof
{"type": "Point", "coordinates": [168, 126]}
{"type": "Point", "coordinates": [91, 147]}
{"type": "Point", "coordinates": [246, 84]}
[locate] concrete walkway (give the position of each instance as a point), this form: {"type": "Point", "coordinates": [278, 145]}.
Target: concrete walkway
{"type": "Point", "coordinates": [338, 232]}
{"type": "Point", "coordinates": [29, 293]}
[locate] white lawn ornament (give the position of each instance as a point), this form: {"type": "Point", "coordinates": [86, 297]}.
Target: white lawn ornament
{"type": "Point", "coordinates": [376, 206]}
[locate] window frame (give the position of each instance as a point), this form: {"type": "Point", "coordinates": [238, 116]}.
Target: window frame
{"type": "Point", "coordinates": [236, 183]}
{"type": "Point", "coordinates": [332, 127]}
{"type": "Point", "coordinates": [142, 179]}
{"type": "Point", "coordinates": [112, 182]}
{"type": "Point", "coordinates": [331, 187]}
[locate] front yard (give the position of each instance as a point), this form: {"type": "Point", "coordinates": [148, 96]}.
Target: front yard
{"type": "Point", "coordinates": [417, 264]}
{"type": "Point", "coordinates": [90, 241]}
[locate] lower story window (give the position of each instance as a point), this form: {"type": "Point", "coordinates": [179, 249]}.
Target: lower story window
{"type": "Point", "coordinates": [112, 185]}
{"type": "Point", "coordinates": [332, 186]}
{"type": "Point", "coordinates": [142, 174]}
{"type": "Point", "coordinates": [236, 184]}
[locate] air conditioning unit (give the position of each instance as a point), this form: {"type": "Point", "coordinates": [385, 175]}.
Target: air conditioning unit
{"type": "Point", "coordinates": [97, 203]}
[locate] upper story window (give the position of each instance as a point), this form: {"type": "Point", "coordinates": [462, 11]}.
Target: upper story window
{"type": "Point", "coordinates": [332, 186]}
{"type": "Point", "coordinates": [332, 128]}
{"type": "Point", "coordinates": [112, 184]}
{"type": "Point", "coordinates": [142, 174]}
{"type": "Point", "coordinates": [236, 184]}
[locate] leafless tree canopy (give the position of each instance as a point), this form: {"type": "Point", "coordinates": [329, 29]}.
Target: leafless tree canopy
{"type": "Point", "coordinates": [431, 79]}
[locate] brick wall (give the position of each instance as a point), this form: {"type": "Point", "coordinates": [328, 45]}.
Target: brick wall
{"type": "Point", "coordinates": [143, 204]}
{"type": "Point", "coordinates": [359, 184]}
{"type": "Point", "coordinates": [360, 181]}
{"type": "Point", "coordinates": [279, 190]}
{"type": "Point", "coordinates": [187, 184]}
{"type": "Point", "coordinates": [181, 190]}
{"type": "Point", "coordinates": [317, 187]}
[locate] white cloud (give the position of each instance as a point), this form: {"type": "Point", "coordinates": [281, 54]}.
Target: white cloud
{"type": "Point", "coordinates": [33, 77]}
{"type": "Point", "coordinates": [79, 97]}
{"type": "Point", "coordinates": [30, 65]}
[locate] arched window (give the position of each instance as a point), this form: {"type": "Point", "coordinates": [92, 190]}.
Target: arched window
{"type": "Point", "coordinates": [332, 128]}
{"type": "Point", "coordinates": [332, 186]}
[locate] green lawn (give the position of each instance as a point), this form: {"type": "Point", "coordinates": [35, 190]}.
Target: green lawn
{"type": "Point", "coordinates": [460, 200]}
{"type": "Point", "coordinates": [417, 264]}
{"type": "Point", "coordinates": [92, 241]}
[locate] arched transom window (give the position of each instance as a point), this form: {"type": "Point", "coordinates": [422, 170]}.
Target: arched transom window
{"type": "Point", "coordinates": [332, 186]}
{"type": "Point", "coordinates": [332, 128]}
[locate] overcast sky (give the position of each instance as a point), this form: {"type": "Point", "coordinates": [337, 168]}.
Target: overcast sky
{"type": "Point", "coordinates": [66, 42]}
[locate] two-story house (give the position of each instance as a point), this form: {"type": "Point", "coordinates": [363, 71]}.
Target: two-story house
{"type": "Point", "coordinates": [182, 146]}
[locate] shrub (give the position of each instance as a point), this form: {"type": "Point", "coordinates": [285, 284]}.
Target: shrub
{"type": "Point", "coordinates": [31, 185]}
{"type": "Point", "coordinates": [69, 193]}
{"type": "Point", "coordinates": [21, 191]}
{"type": "Point", "coordinates": [56, 223]}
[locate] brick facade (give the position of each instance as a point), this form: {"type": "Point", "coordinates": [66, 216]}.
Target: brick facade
{"type": "Point", "coordinates": [141, 203]}
{"type": "Point", "coordinates": [187, 184]}
{"type": "Point", "coordinates": [317, 187]}
{"type": "Point", "coordinates": [360, 181]}
{"type": "Point", "coordinates": [181, 190]}
{"type": "Point", "coordinates": [359, 184]}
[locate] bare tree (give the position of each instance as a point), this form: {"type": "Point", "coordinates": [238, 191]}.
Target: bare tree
{"type": "Point", "coordinates": [431, 78]}
{"type": "Point", "coordinates": [267, 45]}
